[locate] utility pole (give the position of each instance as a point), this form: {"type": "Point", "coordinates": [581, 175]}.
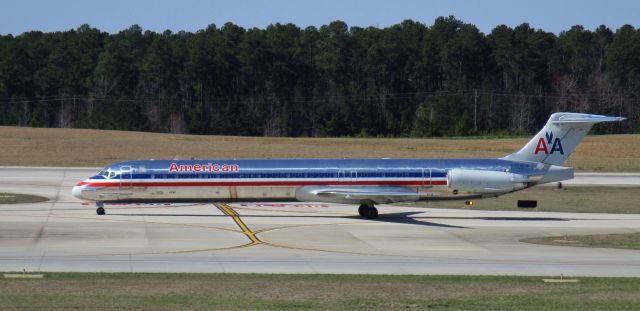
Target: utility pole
{"type": "Point", "coordinates": [475, 111]}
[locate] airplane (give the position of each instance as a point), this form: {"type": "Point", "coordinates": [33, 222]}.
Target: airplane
{"type": "Point", "coordinates": [363, 182]}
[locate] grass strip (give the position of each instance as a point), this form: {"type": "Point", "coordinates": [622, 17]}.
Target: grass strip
{"type": "Point", "coordinates": [620, 240]}
{"type": "Point", "coordinates": [140, 291]}
{"type": "Point", "coordinates": [16, 198]}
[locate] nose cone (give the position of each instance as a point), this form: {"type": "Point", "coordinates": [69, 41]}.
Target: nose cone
{"type": "Point", "coordinates": [77, 191]}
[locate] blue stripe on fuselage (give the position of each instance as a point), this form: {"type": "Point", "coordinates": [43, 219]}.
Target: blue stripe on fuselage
{"type": "Point", "coordinates": [323, 168]}
{"type": "Point", "coordinates": [270, 175]}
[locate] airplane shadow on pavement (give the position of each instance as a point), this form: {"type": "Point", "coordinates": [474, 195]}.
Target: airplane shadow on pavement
{"type": "Point", "coordinates": [409, 218]}
{"type": "Point", "coordinates": [398, 218]}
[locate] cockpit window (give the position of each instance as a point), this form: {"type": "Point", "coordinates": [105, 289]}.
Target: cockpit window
{"type": "Point", "coordinates": [107, 173]}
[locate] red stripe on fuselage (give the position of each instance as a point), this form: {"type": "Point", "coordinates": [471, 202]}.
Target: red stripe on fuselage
{"type": "Point", "coordinates": [264, 183]}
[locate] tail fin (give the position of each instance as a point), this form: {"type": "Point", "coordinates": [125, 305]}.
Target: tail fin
{"type": "Point", "coordinates": [559, 137]}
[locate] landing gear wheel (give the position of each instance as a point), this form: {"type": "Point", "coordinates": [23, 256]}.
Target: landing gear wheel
{"type": "Point", "coordinates": [100, 211]}
{"type": "Point", "coordinates": [368, 211]}
{"type": "Point", "coordinates": [362, 210]}
{"type": "Point", "coordinates": [371, 213]}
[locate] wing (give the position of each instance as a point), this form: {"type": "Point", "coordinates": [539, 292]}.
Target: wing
{"type": "Point", "coordinates": [357, 194]}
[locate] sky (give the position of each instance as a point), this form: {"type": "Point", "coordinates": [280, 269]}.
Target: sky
{"type": "Point", "coordinates": [18, 16]}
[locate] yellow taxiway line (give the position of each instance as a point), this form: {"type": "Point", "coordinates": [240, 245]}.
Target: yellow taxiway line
{"type": "Point", "coordinates": [228, 210]}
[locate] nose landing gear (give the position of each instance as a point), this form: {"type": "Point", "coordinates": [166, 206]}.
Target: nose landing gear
{"type": "Point", "coordinates": [368, 211]}
{"type": "Point", "coordinates": [100, 208]}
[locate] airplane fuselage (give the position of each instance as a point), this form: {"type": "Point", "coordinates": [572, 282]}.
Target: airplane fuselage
{"type": "Point", "coordinates": [294, 179]}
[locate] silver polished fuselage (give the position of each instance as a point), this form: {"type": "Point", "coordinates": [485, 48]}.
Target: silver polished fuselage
{"type": "Point", "coordinates": [292, 179]}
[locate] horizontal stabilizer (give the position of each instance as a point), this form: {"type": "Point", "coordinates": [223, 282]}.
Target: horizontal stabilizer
{"type": "Point", "coordinates": [585, 118]}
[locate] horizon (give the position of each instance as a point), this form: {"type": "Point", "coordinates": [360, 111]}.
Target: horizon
{"type": "Point", "coordinates": [193, 15]}
{"type": "Point", "coordinates": [173, 31]}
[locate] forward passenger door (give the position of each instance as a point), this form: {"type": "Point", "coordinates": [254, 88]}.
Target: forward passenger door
{"type": "Point", "coordinates": [126, 183]}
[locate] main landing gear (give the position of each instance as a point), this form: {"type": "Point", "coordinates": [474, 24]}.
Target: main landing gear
{"type": "Point", "coordinates": [368, 211]}
{"type": "Point", "coordinates": [100, 208]}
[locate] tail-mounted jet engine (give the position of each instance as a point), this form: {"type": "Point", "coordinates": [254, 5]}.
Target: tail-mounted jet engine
{"type": "Point", "coordinates": [485, 181]}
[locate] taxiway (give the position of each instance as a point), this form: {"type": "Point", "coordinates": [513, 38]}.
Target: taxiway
{"type": "Point", "coordinates": [64, 235]}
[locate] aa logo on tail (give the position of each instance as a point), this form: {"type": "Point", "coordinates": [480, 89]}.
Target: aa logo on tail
{"type": "Point", "coordinates": [543, 145]}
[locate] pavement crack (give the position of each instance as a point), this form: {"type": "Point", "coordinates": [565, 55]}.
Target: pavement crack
{"type": "Point", "coordinates": [36, 238]}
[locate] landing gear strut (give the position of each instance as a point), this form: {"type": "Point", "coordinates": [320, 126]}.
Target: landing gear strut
{"type": "Point", "coordinates": [368, 211]}
{"type": "Point", "coordinates": [100, 208]}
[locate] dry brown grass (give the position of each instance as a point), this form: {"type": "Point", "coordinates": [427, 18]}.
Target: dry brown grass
{"type": "Point", "coordinates": [81, 147]}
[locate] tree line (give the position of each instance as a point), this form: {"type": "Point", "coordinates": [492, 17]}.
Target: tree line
{"type": "Point", "coordinates": [409, 79]}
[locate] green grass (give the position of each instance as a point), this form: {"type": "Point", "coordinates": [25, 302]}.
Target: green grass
{"type": "Point", "coordinates": [620, 200]}
{"type": "Point", "coordinates": [129, 291]}
{"type": "Point", "coordinates": [15, 198]}
{"type": "Point", "coordinates": [623, 240]}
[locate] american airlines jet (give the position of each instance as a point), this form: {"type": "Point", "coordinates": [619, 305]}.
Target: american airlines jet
{"type": "Point", "coordinates": [363, 182]}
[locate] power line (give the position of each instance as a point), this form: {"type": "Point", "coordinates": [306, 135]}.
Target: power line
{"type": "Point", "coordinates": [303, 99]}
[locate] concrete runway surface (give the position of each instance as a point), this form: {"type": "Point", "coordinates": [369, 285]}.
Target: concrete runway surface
{"type": "Point", "coordinates": [64, 235]}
